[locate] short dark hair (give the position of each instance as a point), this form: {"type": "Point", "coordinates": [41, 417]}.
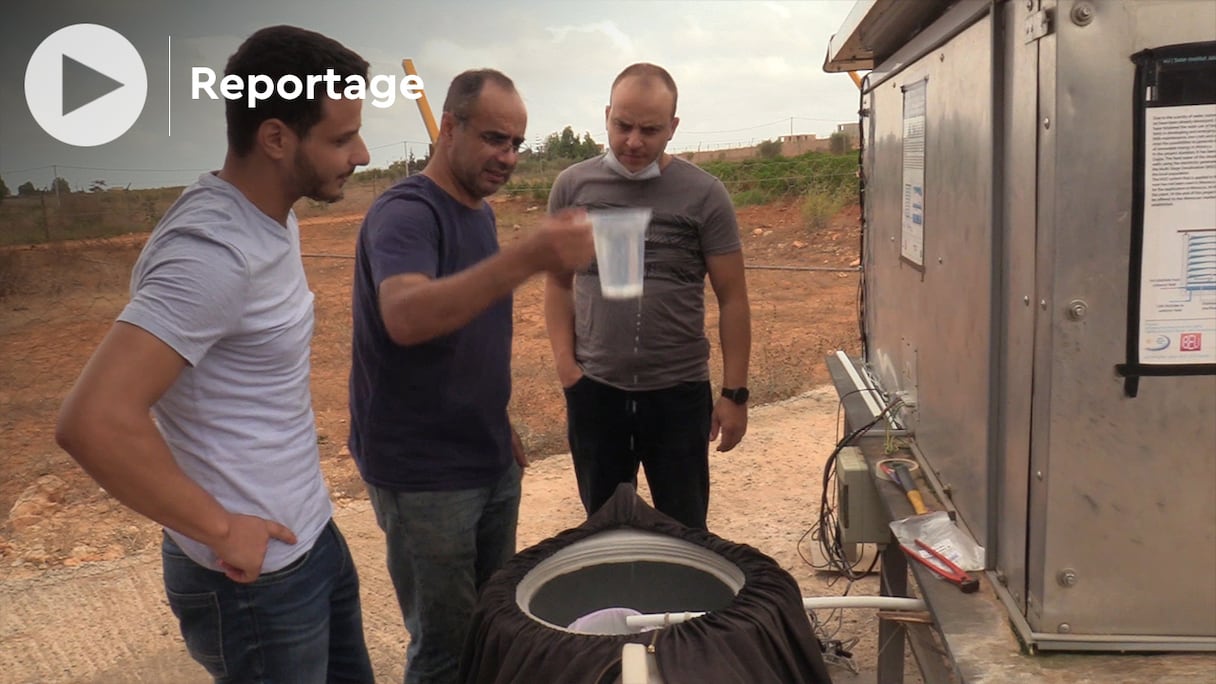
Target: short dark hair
{"type": "Point", "coordinates": [467, 87]}
{"type": "Point", "coordinates": [278, 51]}
{"type": "Point", "coordinates": [649, 71]}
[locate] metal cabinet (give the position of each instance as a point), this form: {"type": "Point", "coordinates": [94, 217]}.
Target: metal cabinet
{"type": "Point", "coordinates": [1000, 318]}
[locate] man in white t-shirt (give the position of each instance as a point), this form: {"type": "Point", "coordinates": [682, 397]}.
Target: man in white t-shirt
{"type": "Point", "coordinates": [215, 345]}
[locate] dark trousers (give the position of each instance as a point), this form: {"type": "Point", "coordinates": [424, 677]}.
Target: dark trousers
{"type": "Point", "coordinates": [299, 624]}
{"type": "Point", "coordinates": [442, 547]}
{"type": "Point", "coordinates": [612, 431]}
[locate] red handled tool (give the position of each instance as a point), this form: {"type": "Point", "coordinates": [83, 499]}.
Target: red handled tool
{"type": "Point", "coordinates": [947, 570]}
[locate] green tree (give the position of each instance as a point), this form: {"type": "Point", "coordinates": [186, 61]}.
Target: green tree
{"type": "Point", "coordinates": [590, 148]}
{"type": "Point", "coordinates": [769, 149]}
{"type": "Point", "coordinates": [548, 147]}
{"type": "Point", "coordinates": [3, 189]}
{"type": "Point", "coordinates": [60, 185]}
{"type": "Point", "coordinates": [838, 142]}
{"type": "Point", "coordinates": [569, 143]}
{"type": "Point", "coordinates": [398, 169]}
{"type": "Point", "coordinates": [26, 189]}
{"type": "Point", "coordinates": [566, 145]}
{"type": "Point", "coordinates": [416, 165]}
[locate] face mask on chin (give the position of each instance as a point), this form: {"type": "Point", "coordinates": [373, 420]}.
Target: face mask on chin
{"type": "Point", "coordinates": [650, 171]}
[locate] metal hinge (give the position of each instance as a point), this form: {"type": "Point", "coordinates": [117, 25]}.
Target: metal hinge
{"type": "Point", "coordinates": [1038, 24]}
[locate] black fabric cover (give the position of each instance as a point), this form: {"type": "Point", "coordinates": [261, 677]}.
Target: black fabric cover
{"type": "Point", "coordinates": [762, 637]}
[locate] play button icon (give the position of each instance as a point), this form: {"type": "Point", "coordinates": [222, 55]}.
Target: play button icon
{"type": "Point", "coordinates": [85, 84]}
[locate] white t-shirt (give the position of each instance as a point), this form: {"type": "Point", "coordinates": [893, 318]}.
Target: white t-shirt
{"type": "Point", "coordinates": [223, 285]}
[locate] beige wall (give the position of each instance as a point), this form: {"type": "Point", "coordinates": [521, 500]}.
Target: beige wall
{"type": "Point", "coordinates": [791, 146]}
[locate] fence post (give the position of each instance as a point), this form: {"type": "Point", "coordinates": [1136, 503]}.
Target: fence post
{"type": "Point", "coordinates": [46, 221]}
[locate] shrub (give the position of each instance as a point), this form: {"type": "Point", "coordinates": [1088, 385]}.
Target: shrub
{"type": "Point", "coordinates": [820, 205]}
{"type": "Point", "coordinates": [754, 196]}
{"type": "Point", "coordinates": [769, 149]}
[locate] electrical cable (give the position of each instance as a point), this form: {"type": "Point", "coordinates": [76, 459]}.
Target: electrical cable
{"type": "Point", "coordinates": [826, 530]}
{"type": "Point", "coordinates": [861, 203]}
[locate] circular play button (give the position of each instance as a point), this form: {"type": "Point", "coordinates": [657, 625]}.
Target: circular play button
{"type": "Point", "coordinates": [85, 84]}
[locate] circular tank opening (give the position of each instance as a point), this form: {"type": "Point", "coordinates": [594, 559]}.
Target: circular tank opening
{"type": "Point", "coordinates": [629, 569]}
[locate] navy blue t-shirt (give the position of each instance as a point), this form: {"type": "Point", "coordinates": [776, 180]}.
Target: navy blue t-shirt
{"type": "Point", "coordinates": [430, 416]}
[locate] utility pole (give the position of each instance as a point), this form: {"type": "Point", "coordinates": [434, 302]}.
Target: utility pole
{"type": "Point", "coordinates": [55, 182]}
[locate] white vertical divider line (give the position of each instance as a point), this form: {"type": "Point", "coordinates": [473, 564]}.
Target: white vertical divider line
{"type": "Point", "coordinates": [170, 94]}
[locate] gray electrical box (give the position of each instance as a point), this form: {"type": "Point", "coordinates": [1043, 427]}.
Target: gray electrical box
{"type": "Point", "coordinates": [861, 516]}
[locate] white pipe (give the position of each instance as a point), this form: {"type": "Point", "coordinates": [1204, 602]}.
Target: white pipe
{"type": "Point", "coordinates": [809, 603]}
{"type": "Point", "coordinates": [867, 393]}
{"type": "Point", "coordinates": [658, 619]}
{"type": "Point", "coordinates": [879, 602]}
{"type": "Point", "coordinates": [635, 664]}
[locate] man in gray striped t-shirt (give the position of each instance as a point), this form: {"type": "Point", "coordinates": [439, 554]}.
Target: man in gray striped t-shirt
{"type": "Point", "coordinates": [636, 371]}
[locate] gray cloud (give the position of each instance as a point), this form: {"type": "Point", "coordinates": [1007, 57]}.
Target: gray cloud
{"type": "Point", "coordinates": [747, 71]}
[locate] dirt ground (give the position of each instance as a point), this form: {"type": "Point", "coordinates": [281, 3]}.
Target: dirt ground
{"type": "Point", "coordinates": [67, 295]}
{"type": "Point", "coordinates": [56, 302]}
{"type": "Point", "coordinates": [106, 622]}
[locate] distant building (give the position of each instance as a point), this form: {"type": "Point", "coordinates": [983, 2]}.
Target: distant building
{"type": "Point", "coordinates": [801, 143]}
{"type": "Point", "coordinates": [853, 130]}
{"type": "Point", "coordinates": [791, 146]}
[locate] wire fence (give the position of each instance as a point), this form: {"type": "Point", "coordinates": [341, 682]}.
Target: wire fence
{"type": "Point", "coordinates": [59, 214]}
{"type": "Point", "coordinates": [53, 217]}
{"type": "Point", "coordinates": [744, 190]}
{"type": "Point", "coordinates": [49, 216]}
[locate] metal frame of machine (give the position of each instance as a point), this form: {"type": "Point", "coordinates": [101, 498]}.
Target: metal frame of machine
{"type": "Point", "coordinates": [997, 308]}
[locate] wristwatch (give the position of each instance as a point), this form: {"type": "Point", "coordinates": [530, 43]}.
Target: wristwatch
{"type": "Point", "coordinates": [739, 396]}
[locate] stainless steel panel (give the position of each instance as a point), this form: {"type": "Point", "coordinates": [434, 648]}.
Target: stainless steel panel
{"type": "Point", "coordinates": [1128, 529]}
{"type": "Point", "coordinates": [846, 50]}
{"type": "Point", "coordinates": [1040, 410]}
{"type": "Point", "coordinates": [960, 15]}
{"type": "Point", "coordinates": [1016, 129]}
{"type": "Point", "coordinates": [1105, 506]}
{"type": "Point", "coordinates": [931, 329]}
{"type": "Point", "coordinates": [876, 29]}
{"type": "Point", "coordinates": [883, 320]}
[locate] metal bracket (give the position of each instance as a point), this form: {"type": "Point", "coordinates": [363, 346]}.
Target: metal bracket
{"type": "Point", "coordinates": [1038, 24]}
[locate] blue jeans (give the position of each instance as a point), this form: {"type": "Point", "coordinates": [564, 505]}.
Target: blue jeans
{"type": "Point", "coordinates": [299, 624]}
{"type": "Point", "coordinates": [666, 431]}
{"type": "Point", "coordinates": [442, 547]}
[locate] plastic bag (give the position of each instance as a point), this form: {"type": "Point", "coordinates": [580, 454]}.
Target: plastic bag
{"type": "Point", "coordinates": [938, 531]}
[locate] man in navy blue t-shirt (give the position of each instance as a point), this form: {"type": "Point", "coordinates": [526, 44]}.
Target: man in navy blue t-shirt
{"type": "Point", "coordinates": [430, 373]}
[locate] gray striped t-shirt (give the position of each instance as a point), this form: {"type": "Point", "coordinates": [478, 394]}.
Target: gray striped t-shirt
{"type": "Point", "coordinates": [659, 340]}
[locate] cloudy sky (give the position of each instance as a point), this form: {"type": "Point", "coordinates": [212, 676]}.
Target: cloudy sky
{"type": "Point", "coordinates": [748, 70]}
